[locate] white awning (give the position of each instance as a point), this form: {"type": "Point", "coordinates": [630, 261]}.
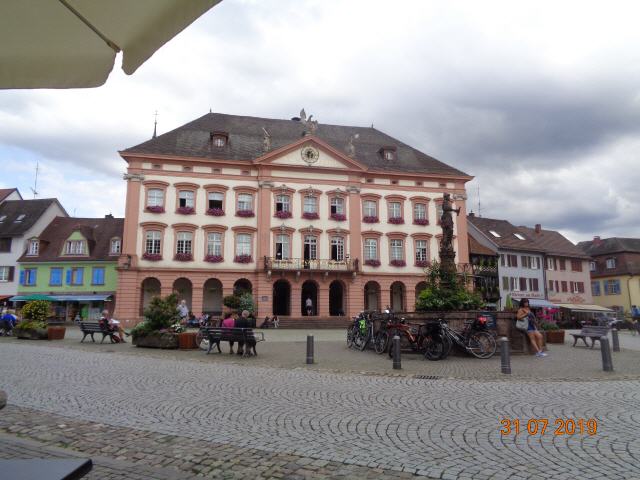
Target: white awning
{"type": "Point", "coordinates": [538, 303]}
{"type": "Point", "coordinates": [585, 308]}
{"type": "Point", "coordinates": [73, 43]}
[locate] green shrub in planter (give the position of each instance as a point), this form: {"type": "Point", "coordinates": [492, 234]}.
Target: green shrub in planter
{"type": "Point", "coordinates": [549, 326]}
{"type": "Point", "coordinates": [246, 302]}
{"type": "Point", "coordinates": [159, 315]}
{"type": "Point", "coordinates": [37, 310]}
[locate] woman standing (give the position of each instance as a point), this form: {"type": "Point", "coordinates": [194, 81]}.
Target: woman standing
{"type": "Point", "coordinates": [532, 330]}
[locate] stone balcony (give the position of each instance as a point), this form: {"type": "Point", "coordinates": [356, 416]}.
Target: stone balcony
{"type": "Point", "coordinates": [320, 265]}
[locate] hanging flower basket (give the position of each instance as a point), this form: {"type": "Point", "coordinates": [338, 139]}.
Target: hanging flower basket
{"type": "Point", "coordinates": [398, 263]}
{"type": "Point", "coordinates": [396, 220]}
{"type": "Point", "coordinates": [370, 219]}
{"type": "Point", "coordinates": [310, 216]}
{"type": "Point", "coordinates": [155, 209]}
{"type": "Point", "coordinates": [152, 257]}
{"type": "Point", "coordinates": [245, 213]}
{"type": "Point", "coordinates": [243, 259]}
{"type": "Point", "coordinates": [372, 263]}
{"type": "Point", "coordinates": [338, 217]}
{"type": "Point", "coordinates": [183, 257]}
{"type": "Point", "coordinates": [422, 263]}
{"type": "Point", "coordinates": [213, 258]}
{"type": "Point", "coordinates": [420, 221]}
{"type": "Point", "coordinates": [283, 214]}
{"type": "Point", "coordinates": [215, 212]}
{"type": "Point", "coordinates": [186, 210]}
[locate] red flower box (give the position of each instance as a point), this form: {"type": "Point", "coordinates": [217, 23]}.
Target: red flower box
{"type": "Point", "coordinates": [422, 263]}
{"type": "Point", "coordinates": [420, 221]}
{"type": "Point", "coordinates": [338, 217]}
{"type": "Point", "coordinates": [185, 210]}
{"type": "Point", "coordinates": [370, 219]}
{"type": "Point", "coordinates": [243, 259]}
{"type": "Point", "coordinates": [216, 212]}
{"type": "Point", "coordinates": [152, 257]}
{"type": "Point", "coordinates": [213, 258]}
{"type": "Point", "coordinates": [396, 220]}
{"type": "Point", "coordinates": [183, 257]}
{"type": "Point", "coordinates": [283, 214]}
{"type": "Point", "coordinates": [155, 209]}
{"type": "Point", "coordinates": [245, 213]}
{"type": "Point", "coordinates": [398, 263]}
{"type": "Point", "coordinates": [372, 263]}
{"type": "Point", "coordinates": [310, 215]}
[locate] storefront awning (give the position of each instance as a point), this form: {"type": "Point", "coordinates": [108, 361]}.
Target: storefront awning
{"type": "Point", "coordinates": [585, 308]}
{"type": "Point", "coordinates": [538, 303]}
{"type": "Point", "coordinates": [61, 298]}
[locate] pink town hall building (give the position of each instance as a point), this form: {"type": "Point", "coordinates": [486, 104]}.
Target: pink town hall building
{"type": "Point", "coordinates": [289, 210]}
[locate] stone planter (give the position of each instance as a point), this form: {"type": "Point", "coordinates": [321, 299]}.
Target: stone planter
{"type": "Point", "coordinates": [187, 341]}
{"type": "Point", "coordinates": [554, 336]}
{"type": "Point", "coordinates": [56, 333]}
{"type": "Point", "coordinates": [31, 333]}
{"type": "Point", "coordinates": [165, 340]}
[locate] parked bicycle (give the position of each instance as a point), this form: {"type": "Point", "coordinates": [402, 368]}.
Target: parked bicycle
{"type": "Point", "coordinates": [474, 339]}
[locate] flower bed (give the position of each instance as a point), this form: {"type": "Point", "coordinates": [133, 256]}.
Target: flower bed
{"type": "Point", "coordinates": [370, 219]}
{"type": "Point", "coordinates": [396, 220]}
{"type": "Point", "coordinates": [398, 263]}
{"type": "Point", "coordinates": [183, 257]}
{"type": "Point", "coordinates": [152, 257]}
{"type": "Point", "coordinates": [422, 263]}
{"type": "Point", "coordinates": [310, 216]}
{"type": "Point", "coordinates": [283, 214]}
{"type": "Point", "coordinates": [372, 263]}
{"type": "Point", "coordinates": [186, 210]}
{"type": "Point", "coordinates": [155, 209]}
{"type": "Point", "coordinates": [243, 259]}
{"type": "Point", "coordinates": [338, 217]}
{"type": "Point", "coordinates": [215, 212]}
{"type": "Point", "coordinates": [420, 221]}
{"type": "Point", "coordinates": [213, 258]}
{"type": "Point", "coordinates": [245, 213]}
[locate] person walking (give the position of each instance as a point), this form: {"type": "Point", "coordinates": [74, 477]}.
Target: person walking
{"type": "Point", "coordinates": [309, 304]}
{"type": "Point", "coordinates": [532, 330]}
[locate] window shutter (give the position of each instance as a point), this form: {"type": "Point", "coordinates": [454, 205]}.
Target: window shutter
{"type": "Point", "coordinates": [34, 277]}
{"type": "Point", "coordinates": [68, 280]}
{"type": "Point", "coordinates": [21, 277]}
{"type": "Point", "coordinates": [80, 275]}
{"type": "Point", "coordinates": [11, 273]}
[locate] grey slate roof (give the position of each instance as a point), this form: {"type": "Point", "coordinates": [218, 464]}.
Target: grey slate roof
{"type": "Point", "coordinates": [610, 245]}
{"type": "Point", "coordinates": [554, 243]}
{"type": "Point", "coordinates": [246, 143]}
{"type": "Point", "coordinates": [31, 209]}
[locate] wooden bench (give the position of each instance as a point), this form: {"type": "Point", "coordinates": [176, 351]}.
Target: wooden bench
{"type": "Point", "coordinates": [245, 336]}
{"type": "Point", "coordinates": [593, 332]}
{"type": "Point", "coordinates": [90, 328]}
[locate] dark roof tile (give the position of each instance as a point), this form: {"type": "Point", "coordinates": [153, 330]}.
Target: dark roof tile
{"type": "Point", "coordinates": [11, 210]}
{"type": "Point", "coordinates": [554, 243]}
{"type": "Point", "coordinates": [507, 231]}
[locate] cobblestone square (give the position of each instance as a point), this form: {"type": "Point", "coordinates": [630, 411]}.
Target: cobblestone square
{"type": "Point", "coordinates": [203, 416]}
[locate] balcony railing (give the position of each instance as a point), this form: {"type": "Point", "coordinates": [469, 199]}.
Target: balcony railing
{"type": "Point", "coordinates": [297, 264]}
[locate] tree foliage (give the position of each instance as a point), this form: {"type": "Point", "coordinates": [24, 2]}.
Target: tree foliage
{"type": "Point", "coordinates": [446, 291]}
{"type": "Point", "coordinates": [245, 302]}
{"type": "Point", "coordinates": [160, 314]}
{"type": "Point", "coordinates": [37, 311]}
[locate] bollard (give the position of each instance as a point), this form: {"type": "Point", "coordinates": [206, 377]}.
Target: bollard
{"type": "Point", "coordinates": [309, 349]}
{"type": "Point", "coordinates": [397, 365]}
{"type": "Point", "coordinates": [615, 340]}
{"type": "Point", "coordinates": [607, 363]}
{"type": "Point", "coordinates": [505, 356]}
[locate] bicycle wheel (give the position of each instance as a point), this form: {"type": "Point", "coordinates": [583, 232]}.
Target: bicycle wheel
{"type": "Point", "coordinates": [380, 342]}
{"type": "Point", "coordinates": [434, 348]}
{"type": "Point", "coordinates": [481, 345]}
{"type": "Point", "coordinates": [446, 345]}
{"type": "Point", "coordinates": [350, 337]}
{"type": "Point", "coordinates": [364, 340]}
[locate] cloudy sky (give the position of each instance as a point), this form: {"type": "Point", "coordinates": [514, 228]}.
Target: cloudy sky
{"type": "Point", "coordinates": [540, 101]}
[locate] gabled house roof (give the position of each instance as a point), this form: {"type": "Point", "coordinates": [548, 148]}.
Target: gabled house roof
{"type": "Point", "coordinates": [13, 224]}
{"type": "Point", "coordinates": [246, 143]}
{"type": "Point", "coordinates": [507, 238]}
{"type": "Point", "coordinates": [607, 246]}
{"type": "Point", "coordinates": [97, 231]}
{"type": "Point", "coordinates": [5, 192]}
{"type": "Point", "coordinates": [554, 243]}
{"type": "Point", "coordinates": [476, 248]}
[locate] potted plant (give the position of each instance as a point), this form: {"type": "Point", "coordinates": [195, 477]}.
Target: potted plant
{"type": "Point", "coordinates": [158, 328]}
{"type": "Point", "coordinates": [552, 332]}
{"type": "Point", "coordinates": [34, 324]}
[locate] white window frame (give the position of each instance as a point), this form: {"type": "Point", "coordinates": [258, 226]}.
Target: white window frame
{"type": "Point", "coordinates": [4, 274]}
{"type": "Point", "coordinates": [310, 204]}
{"type": "Point", "coordinates": [370, 208]}
{"type": "Point", "coordinates": [34, 247]}
{"type": "Point", "coordinates": [243, 244]}
{"type": "Point", "coordinates": [245, 201]}
{"type": "Point", "coordinates": [338, 242]}
{"type": "Point", "coordinates": [186, 196]}
{"type": "Point", "coordinates": [395, 209]}
{"type": "Point", "coordinates": [155, 197]}
{"type": "Point", "coordinates": [74, 247]}
{"type": "Point", "coordinates": [283, 201]}
{"type": "Point", "coordinates": [396, 249]}
{"type": "Point", "coordinates": [283, 240]}
{"type": "Point", "coordinates": [422, 250]}
{"type": "Point", "coordinates": [420, 211]}
{"type": "Point", "coordinates": [118, 249]}
{"type": "Point", "coordinates": [153, 242]}
{"type": "Point", "coordinates": [312, 241]}
{"type": "Point", "coordinates": [611, 263]}
{"type": "Point", "coordinates": [370, 249]}
{"type": "Point", "coordinates": [337, 205]}
{"type": "Point", "coordinates": [214, 243]}
{"type": "Point", "coordinates": [215, 197]}
{"type": "Point", "coordinates": [184, 242]}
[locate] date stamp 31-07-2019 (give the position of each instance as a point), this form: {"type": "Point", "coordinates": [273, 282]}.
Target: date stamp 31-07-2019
{"type": "Point", "coordinates": [549, 426]}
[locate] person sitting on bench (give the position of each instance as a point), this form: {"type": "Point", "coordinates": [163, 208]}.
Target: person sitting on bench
{"type": "Point", "coordinates": [532, 330]}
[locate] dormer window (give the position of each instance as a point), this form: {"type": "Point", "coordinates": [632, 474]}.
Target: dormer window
{"type": "Point", "coordinates": [34, 247]}
{"type": "Point", "coordinates": [388, 153]}
{"type": "Point", "coordinates": [495, 234]}
{"type": "Point", "coordinates": [20, 218]}
{"type": "Point", "coordinates": [116, 246]}
{"type": "Point", "coordinates": [518, 236]}
{"type": "Point", "coordinates": [74, 247]}
{"type": "Point", "coordinates": [219, 139]}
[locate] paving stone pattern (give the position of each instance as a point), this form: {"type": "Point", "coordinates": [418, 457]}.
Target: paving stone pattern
{"type": "Point", "coordinates": [440, 428]}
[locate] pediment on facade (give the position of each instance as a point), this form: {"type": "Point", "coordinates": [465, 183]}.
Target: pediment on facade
{"type": "Point", "coordinates": [311, 152]}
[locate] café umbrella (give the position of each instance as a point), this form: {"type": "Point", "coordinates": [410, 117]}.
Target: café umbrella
{"type": "Point", "coordinates": [73, 43]}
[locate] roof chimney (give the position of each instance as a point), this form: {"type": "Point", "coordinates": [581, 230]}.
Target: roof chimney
{"type": "Point", "coordinates": [597, 241]}
{"type": "Point", "coordinates": [108, 215]}
{"type": "Point", "coordinates": [471, 214]}
{"type": "Point", "coordinates": [538, 228]}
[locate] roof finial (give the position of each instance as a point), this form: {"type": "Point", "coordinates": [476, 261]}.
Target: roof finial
{"type": "Point", "coordinates": [155, 125]}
